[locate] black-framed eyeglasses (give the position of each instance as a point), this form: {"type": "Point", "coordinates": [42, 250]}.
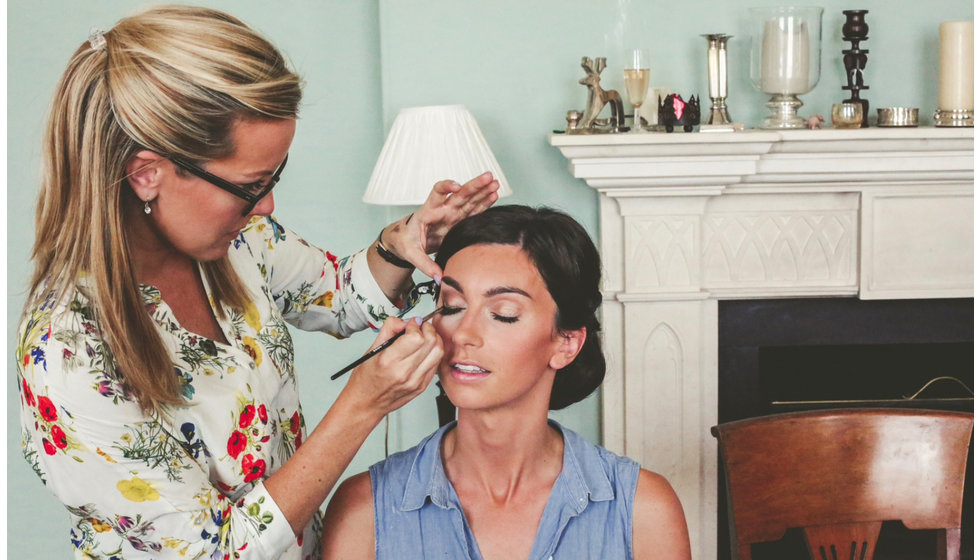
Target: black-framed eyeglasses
{"type": "Point", "coordinates": [251, 193]}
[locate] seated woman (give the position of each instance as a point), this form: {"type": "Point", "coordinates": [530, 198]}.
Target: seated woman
{"type": "Point", "coordinates": [518, 325]}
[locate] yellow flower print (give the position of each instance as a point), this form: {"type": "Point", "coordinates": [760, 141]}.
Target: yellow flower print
{"type": "Point", "coordinates": [99, 526]}
{"type": "Point", "coordinates": [177, 544]}
{"type": "Point", "coordinates": [105, 455]}
{"type": "Point", "coordinates": [326, 300]}
{"type": "Point", "coordinates": [137, 490]}
{"type": "Point", "coordinates": [252, 317]}
{"type": "Point", "coordinates": [253, 349]}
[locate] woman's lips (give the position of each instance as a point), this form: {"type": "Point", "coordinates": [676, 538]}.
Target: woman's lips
{"type": "Point", "coordinates": [468, 372]}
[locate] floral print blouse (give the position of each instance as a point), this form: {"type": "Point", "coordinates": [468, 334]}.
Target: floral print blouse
{"type": "Point", "coordinates": [189, 485]}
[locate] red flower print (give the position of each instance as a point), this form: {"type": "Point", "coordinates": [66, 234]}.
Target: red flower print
{"type": "Point", "coordinates": [253, 469]}
{"type": "Point", "coordinates": [294, 423]}
{"type": "Point", "coordinates": [59, 437]}
{"type": "Point", "coordinates": [299, 440]}
{"type": "Point", "coordinates": [48, 447]}
{"type": "Point", "coordinates": [28, 394]}
{"type": "Point", "coordinates": [48, 411]}
{"type": "Point", "coordinates": [236, 444]}
{"type": "Point", "coordinates": [263, 414]}
{"type": "Point", "coordinates": [248, 414]}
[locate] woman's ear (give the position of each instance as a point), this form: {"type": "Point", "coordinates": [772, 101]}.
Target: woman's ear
{"type": "Point", "coordinates": [145, 174]}
{"type": "Point", "coordinates": [571, 344]}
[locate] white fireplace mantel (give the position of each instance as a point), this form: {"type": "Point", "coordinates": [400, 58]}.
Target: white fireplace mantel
{"type": "Point", "coordinates": [688, 219]}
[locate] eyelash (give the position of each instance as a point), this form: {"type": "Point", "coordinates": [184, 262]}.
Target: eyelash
{"type": "Point", "coordinates": [254, 187]}
{"type": "Point", "coordinates": [447, 311]}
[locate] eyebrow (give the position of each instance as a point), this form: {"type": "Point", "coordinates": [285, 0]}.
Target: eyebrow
{"type": "Point", "coordinates": [495, 291]}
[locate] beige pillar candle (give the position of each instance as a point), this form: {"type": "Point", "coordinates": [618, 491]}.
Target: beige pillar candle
{"type": "Point", "coordinates": [785, 56]}
{"type": "Point", "coordinates": [956, 66]}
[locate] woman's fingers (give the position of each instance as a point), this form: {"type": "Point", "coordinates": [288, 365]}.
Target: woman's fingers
{"type": "Point", "coordinates": [403, 370]}
{"type": "Point", "coordinates": [473, 192]}
{"type": "Point", "coordinates": [421, 234]}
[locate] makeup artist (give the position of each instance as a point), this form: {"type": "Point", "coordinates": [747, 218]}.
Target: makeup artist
{"type": "Point", "coordinates": [155, 368]}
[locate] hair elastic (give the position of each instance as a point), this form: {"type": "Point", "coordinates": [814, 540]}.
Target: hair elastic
{"type": "Point", "coordinates": [96, 39]}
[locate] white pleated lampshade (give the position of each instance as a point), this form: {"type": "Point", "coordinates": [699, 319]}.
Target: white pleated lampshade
{"type": "Point", "coordinates": [427, 145]}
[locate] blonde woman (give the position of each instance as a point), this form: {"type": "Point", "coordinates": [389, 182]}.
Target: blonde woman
{"type": "Point", "coordinates": [518, 325]}
{"type": "Point", "coordinates": [155, 368]}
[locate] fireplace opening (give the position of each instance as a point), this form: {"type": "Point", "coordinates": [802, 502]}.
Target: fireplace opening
{"type": "Point", "coordinates": [804, 354]}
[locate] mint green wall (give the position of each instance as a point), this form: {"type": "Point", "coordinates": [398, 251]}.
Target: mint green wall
{"type": "Point", "coordinates": [514, 63]}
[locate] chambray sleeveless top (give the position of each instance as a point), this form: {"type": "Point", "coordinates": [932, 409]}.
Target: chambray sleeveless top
{"type": "Point", "coordinates": [589, 514]}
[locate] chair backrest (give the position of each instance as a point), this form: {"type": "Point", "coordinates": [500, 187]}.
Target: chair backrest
{"type": "Point", "coordinates": [839, 473]}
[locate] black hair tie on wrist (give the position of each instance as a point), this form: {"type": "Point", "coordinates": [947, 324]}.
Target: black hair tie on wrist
{"type": "Point", "coordinates": [390, 257]}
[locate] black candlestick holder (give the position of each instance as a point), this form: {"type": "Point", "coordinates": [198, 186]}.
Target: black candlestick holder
{"type": "Point", "coordinates": [855, 30]}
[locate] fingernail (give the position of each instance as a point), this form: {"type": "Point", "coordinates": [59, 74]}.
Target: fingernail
{"type": "Point", "coordinates": [438, 280]}
{"type": "Point", "coordinates": [418, 320]}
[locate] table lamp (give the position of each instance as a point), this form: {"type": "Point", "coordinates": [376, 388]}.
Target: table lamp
{"type": "Point", "coordinates": [427, 145]}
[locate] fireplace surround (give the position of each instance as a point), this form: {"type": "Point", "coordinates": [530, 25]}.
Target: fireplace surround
{"type": "Point", "coordinates": [691, 220]}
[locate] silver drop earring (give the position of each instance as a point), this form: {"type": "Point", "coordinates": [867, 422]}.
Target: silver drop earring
{"type": "Point", "coordinates": [146, 207]}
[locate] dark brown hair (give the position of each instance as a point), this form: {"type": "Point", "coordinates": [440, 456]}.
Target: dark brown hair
{"type": "Point", "coordinates": [569, 263]}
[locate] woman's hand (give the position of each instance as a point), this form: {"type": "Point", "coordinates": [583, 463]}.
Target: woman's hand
{"type": "Point", "coordinates": [421, 233]}
{"type": "Point", "coordinates": [399, 373]}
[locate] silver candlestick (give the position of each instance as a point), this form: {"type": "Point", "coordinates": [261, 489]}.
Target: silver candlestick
{"type": "Point", "coordinates": [718, 77]}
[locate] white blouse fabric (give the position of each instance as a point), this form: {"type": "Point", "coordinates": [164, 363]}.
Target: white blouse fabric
{"type": "Point", "coordinates": [188, 485]}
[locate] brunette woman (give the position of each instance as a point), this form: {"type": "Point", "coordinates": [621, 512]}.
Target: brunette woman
{"type": "Point", "coordinates": [518, 325]}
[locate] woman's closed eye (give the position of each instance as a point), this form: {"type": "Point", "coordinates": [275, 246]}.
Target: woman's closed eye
{"type": "Point", "coordinates": [448, 310]}
{"type": "Point", "coordinates": [505, 318]}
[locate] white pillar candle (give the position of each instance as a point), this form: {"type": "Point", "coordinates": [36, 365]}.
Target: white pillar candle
{"type": "Point", "coordinates": [785, 56]}
{"type": "Point", "coordinates": [717, 69]}
{"type": "Point", "coordinates": [956, 66]}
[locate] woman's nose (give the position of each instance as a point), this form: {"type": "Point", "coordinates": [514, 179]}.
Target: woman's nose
{"type": "Point", "coordinates": [265, 206]}
{"type": "Point", "coordinates": [467, 331]}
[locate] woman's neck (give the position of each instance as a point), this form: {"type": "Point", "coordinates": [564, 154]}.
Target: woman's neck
{"type": "Point", "coordinates": [499, 453]}
{"type": "Point", "coordinates": [154, 259]}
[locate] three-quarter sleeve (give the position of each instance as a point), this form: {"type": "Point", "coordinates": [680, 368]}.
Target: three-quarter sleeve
{"type": "Point", "coordinates": [313, 288]}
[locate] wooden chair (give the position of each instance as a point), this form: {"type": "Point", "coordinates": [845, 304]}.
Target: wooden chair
{"type": "Point", "coordinates": [837, 474]}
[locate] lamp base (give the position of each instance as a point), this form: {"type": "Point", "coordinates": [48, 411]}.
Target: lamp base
{"type": "Point", "coordinates": [954, 118]}
{"type": "Point", "coordinates": [782, 109]}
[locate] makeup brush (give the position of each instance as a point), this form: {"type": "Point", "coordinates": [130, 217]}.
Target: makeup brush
{"type": "Point", "coordinates": [380, 347]}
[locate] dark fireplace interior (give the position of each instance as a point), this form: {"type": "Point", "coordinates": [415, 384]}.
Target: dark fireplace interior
{"type": "Point", "coordinates": [802, 354]}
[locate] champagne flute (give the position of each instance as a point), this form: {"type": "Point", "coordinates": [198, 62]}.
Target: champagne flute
{"type": "Point", "coordinates": [636, 74]}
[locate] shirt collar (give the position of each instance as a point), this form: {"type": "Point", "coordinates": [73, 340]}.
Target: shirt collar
{"type": "Point", "coordinates": [582, 477]}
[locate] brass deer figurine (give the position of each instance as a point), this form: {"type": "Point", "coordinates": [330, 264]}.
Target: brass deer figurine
{"type": "Point", "coordinates": [589, 121]}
